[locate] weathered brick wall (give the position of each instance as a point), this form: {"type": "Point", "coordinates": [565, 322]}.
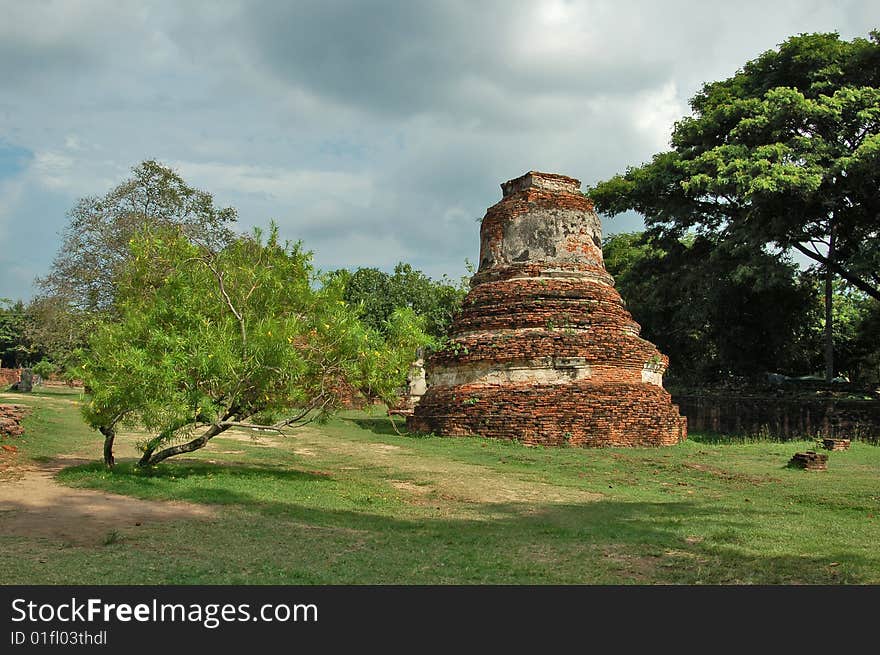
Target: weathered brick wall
{"type": "Point", "coordinates": [579, 414]}
{"type": "Point", "coordinates": [9, 376]}
{"type": "Point", "coordinates": [544, 350]}
{"type": "Point", "coordinates": [782, 418]}
{"type": "Point", "coordinates": [10, 420]}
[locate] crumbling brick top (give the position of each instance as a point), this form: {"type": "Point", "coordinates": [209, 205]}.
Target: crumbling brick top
{"type": "Point", "coordinates": [537, 180]}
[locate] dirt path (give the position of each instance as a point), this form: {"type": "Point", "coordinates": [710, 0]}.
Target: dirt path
{"type": "Point", "coordinates": [36, 505]}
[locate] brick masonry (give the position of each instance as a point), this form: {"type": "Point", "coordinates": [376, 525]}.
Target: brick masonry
{"type": "Point", "coordinates": [782, 418]}
{"type": "Point", "coordinates": [9, 376]}
{"type": "Point", "coordinates": [544, 350]}
{"type": "Point", "coordinates": [11, 417]}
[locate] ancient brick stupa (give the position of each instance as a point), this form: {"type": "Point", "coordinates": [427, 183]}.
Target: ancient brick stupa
{"type": "Point", "coordinates": [544, 351]}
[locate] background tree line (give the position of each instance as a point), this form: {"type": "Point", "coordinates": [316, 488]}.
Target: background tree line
{"type": "Point", "coordinates": [782, 157]}
{"type": "Point", "coordinates": [724, 311]}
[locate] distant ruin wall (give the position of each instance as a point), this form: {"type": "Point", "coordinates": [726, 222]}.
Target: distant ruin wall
{"type": "Point", "coordinates": [782, 418]}
{"type": "Point", "coordinates": [9, 376]}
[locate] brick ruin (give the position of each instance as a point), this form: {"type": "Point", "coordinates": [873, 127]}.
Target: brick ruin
{"type": "Point", "coordinates": [544, 350]}
{"type": "Point", "coordinates": [9, 376]}
{"type": "Point", "coordinates": [11, 417]}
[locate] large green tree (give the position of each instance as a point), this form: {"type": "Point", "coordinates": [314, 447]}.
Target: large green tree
{"type": "Point", "coordinates": [865, 348]}
{"type": "Point", "coordinates": [208, 340]}
{"type": "Point", "coordinates": [58, 329]}
{"type": "Point", "coordinates": [15, 347]}
{"type": "Point", "coordinates": [785, 152]}
{"type": "Point", "coordinates": [377, 295]}
{"type": "Point", "coordinates": [718, 309]}
{"type": "Point", "coordinates": [80, 288]}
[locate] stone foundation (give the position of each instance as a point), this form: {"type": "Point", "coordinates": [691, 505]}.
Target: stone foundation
{"type": "Point", "coordinates": [9, 376]}
{"type": "Point", "coordinates": [577, 414]}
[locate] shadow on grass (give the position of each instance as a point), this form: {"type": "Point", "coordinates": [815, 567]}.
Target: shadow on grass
{"type": "Point", "coordinates": [375, 424]}
{"type": "Point", "coordinates": [183, 471]}
{"type": "Point", "coordinates": [606, 542]}
{"type": "Point", "coordinates": [197, 482]}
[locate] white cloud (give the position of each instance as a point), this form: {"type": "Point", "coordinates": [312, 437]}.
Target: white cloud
{"type": "Point", "coordinates": [655, 112]}
{"type": "Point", "coordinates": [285, 185]}
{"type": "Point", "coordinates": [376, 132]}
{"type": "Point", "coordinates": [54, 169]}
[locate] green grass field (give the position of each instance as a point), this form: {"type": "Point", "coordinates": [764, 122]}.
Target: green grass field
{"type": "Point", "coordinates": [352, 502]}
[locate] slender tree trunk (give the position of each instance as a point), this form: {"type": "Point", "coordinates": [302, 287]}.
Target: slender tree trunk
{"type": "Point", "coordinates": [829, 314]}
{"type": "Point", "coordinates": [158, 440]}
{"type": "Point", "coordinates": [109, 438]}
{"type": "Point", "coordinates": [150, 458]}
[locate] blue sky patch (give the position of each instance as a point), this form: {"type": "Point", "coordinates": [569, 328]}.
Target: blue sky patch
{"type": "Point", "coordinates": [13, 159]}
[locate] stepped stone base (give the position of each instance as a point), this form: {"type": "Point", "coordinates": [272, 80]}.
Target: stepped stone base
{"type": "Point", "coordinates": [579, 414]}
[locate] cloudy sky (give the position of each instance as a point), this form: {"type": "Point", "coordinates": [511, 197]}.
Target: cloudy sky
{"type": "Point", "coordinates": [374, 131]}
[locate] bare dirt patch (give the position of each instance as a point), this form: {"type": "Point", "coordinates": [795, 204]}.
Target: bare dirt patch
{"type": "Point", "coordinates": [254, 439]}
{"type": "Point", "coordinates": [36, 505]}
{"type": "Point", "coordinates": [9, 466]}
{"type": "Point", "coordinates": [449, 480]}
{"type": "Point", "coordinates": [412, 487]}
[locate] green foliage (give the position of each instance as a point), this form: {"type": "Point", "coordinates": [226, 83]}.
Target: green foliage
{"type": "Point", "coordinates": [377, 294]}
{"type": "Point", "coordinates": [784, 152]}
{"type": "Point", "coordinates": [44, 368]}
{"type": "Point", "coordinates": [866, 345]}
{"type": "Point", "coordinates": [855, 330]}
{"type": "Point", "coordinates": [80, 288]}
{"type": "Point", "coordinates": [212, 339]}
{"type": "Point", "coordinates": [95, 245]}
{"type": "Point", "coordinates": [716, 309]}
{"type": "Point", "coordinates": [16, 349]}
{"type": "Point", "coordinates": [58, 329]}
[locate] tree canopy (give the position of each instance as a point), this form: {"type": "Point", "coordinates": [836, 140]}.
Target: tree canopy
{"type": "Point", "coordinates": [95, 242]}
{"type": "Point", "coordinates": [207, 340]}
{"type": "Point", "coordinates": [785, 152]}
{"type": "Point", "coordinates": [80, 289]}
{"type": "Point", "coordinates": [718, 309]}
{"type": "Point", "coordinates": [15, 348]}
{"type": "Point", "coordinates": [377, 295]}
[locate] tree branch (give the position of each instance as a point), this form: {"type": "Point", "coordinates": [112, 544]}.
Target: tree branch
{"type": "Point", "coordinates": [314, 408]}
{"type": "Point", "coordinates": [207, 261]}
{"type": "Point", "coordinates": [188, 447]}
{"type": "Point", "coordinates": [857, 282]}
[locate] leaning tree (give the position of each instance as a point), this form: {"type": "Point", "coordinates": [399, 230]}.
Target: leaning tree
{"type": "Point", "coordinates": [246, 336]}
{"type": "Point", "coordinates": [785, 153]}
